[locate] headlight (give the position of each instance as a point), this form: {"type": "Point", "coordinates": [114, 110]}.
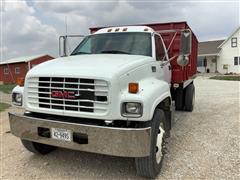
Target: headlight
{"type": "Point", "coordinates": [17, 99]}
{"type": "Point", "coordinates": [132, 109]}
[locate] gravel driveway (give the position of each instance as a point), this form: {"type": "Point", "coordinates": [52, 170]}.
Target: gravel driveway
{"type": "Point", "coordinates": [6, 98]}
{"type": "Point", "coordinates": [204, 144]}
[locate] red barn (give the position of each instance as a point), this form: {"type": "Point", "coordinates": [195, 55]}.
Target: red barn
{"type": "Point", "coordinates": [12, 69]}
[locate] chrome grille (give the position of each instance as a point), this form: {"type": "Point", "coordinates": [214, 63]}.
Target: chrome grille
{"type": "Point", "coordinates": [87, 95]}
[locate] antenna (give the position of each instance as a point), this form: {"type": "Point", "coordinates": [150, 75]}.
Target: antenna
{"type": "Point", "coordinates": [66, 25]}
{"type": "Point", "coordinates": [2, 8]}
{"type": "Point", "coordinates": [67, 45]}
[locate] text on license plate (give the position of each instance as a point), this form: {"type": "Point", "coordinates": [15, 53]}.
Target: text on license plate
{"type": "Point", "coordinates": [61, 134]}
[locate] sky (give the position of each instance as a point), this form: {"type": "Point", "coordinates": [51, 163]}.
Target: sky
{"type": "Point", "coordinates": [33, 27]}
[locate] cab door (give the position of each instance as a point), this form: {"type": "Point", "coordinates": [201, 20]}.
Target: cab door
{"type": "Point", "coordinates": [164, 66]}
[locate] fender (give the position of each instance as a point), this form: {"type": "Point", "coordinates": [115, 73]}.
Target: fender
{"type": "Point", "coordinates": [152, 92]}
{"type": "Point", "coordinates": [159, 93]}
{"type": "Point", "coordinates": [159, 100]}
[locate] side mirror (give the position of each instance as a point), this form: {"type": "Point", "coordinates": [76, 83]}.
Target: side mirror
{"type": "Point", "coordinates": [186, 42]}
{"type": "Point", "coordinates": [62, 46]}
{"type": "Point", "coordinates": [186, 48]}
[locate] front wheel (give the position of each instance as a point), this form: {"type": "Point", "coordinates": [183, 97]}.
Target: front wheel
{"type": "Point", "coordinates": [150, 166]}
{"type": "Point", "coordinates": [37, 148]}
{"type": "Point", "coordinates": [189, 97]}
{"type": "Point", "coordinates": [179, 99]}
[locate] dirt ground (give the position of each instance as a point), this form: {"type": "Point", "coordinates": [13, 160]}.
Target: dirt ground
{"type": "Point", "coordinates": [204, 144]}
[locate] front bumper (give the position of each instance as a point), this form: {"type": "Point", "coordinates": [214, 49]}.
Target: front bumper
{"type": "Point", "coordinates": [125, 142]}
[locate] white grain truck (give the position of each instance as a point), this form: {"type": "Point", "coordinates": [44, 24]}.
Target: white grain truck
{"type": "Point", "coordinates": [112, 95]}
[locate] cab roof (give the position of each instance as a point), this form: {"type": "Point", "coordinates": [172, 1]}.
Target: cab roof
{"type": "Point", "coordinates": [119, 29]}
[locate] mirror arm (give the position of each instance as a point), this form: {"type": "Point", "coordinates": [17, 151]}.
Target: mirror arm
{"type": "Point", "coordinates": [166, 62]}
{"type": "Point", "coordinates": [170, 44]}
{"type": "Point", "coordinates": [65, 43]}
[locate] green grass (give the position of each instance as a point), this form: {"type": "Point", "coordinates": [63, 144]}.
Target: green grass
{"type": "Point", "coordinates": [226, 77]}
{"type": "Point", "coordinates": [4, 106]}
{"type": "Point", "coordinates": [7, 88]}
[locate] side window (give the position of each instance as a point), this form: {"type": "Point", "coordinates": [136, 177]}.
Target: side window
{"type": "Point", "coordinates": [6, 70]}
{"type": "Point", "coordinates": [234, 42]}
{"type": "Point", "coordinates": [159, 48]}
{"type": "Point", "coordinates": [235, 61]}
{"type": "Point", "coordinates": [86, 47]}
{"type": "Point", "coordinates": [17, 70]}
{"type": "Point", "coordinates": [200, 62]}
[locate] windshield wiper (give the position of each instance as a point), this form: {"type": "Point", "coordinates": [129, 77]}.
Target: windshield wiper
{"type": "Point", "coordinates": [114, 52]}
{"type": "Point", "coordinates": [77, 53]}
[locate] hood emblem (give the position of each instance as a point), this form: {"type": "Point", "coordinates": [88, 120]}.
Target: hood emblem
{"type": "Point", "coordinates": [64, 94]}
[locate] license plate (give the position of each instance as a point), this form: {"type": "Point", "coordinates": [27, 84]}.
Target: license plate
{"type": "Point", "coordinates": [61, 134]}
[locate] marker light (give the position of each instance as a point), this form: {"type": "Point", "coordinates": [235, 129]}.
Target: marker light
{"type": "Point", "coordinates": [133, 88]}
{"type": "Point", "coordinates": [20, 81]}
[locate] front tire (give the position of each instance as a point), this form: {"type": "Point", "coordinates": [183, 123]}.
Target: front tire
{"type": "Point", "coordinates": [37, 148]}
{"type": "Point", "coordinates": [179, 99]}
{"type": "Point", "coordinates": [150, 166]}
{"type": "Point", "coordinates": [189, 97]}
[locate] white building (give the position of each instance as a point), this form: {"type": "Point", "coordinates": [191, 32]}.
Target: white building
{"type": "Point", "coordinates": [221, 56]}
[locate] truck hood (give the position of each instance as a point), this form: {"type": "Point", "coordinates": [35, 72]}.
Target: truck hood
{"type": "Point", "coordinates": [96, 66]}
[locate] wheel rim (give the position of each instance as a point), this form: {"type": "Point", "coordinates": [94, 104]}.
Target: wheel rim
{"type": "Point", "coordinates": [159, 143]}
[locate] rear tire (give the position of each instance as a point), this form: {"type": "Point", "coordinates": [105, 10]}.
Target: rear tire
{"type": "Point", "coordinates": [189, 97]}
{"type": "Point", "coordinates": [179, 99]}
{"type": "Point", "coordinates": [37, 148]}
{"type": "Point", "coordinates": [150, 166]}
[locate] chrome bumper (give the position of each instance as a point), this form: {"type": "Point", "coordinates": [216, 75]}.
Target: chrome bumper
{"type": "Point", "coordinates": [126, 142]}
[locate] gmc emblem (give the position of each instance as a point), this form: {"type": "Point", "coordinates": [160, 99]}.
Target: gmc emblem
{"type": "Point", "coordinates": [63, 94]}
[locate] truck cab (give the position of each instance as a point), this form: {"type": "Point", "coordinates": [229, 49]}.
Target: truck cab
{"type": "Point", "coordinates": [112, 95]}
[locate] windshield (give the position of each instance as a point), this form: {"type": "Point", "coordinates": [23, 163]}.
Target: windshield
{"type": "Point", "coordinates": [137, 43]}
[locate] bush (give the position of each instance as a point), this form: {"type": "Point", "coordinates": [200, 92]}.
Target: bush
{"type": "Point", "coordinates": [227, 78]}
{"type": "Point", "coordinates": [4, 106]}
{"type": "Point", "coordinates": [7, 88]}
